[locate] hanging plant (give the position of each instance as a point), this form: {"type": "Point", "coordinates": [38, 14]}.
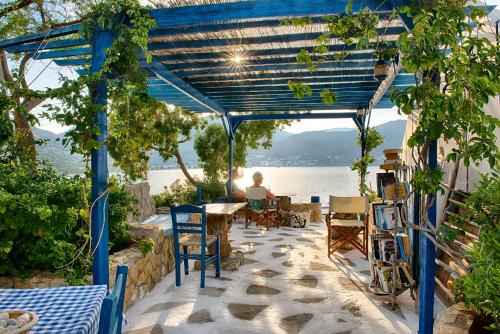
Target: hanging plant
{"type": "Point", "coordinates": [299, 89]}
{"type": "Point", "coordinates": [328, 97]}
{"type": "Point", "coordinates": [381, 70]}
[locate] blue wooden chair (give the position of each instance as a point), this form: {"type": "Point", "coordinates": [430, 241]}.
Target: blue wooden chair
{"type": "Point", "coordinates": [111, 318]}
{"type": "Point", "coordinates": [190, 234]}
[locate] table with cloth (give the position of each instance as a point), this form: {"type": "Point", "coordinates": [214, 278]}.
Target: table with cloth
{"type": "Point", "coordinates": [74, 309]}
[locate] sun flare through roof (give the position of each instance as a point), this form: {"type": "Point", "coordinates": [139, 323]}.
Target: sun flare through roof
{"type": "Point", "coordinates": [237, 56]}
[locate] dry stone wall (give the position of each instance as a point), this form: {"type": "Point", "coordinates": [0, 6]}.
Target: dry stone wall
{"type": "Point", "coordinates": [144, 207]}
{"type": "Point", "coordinates": [144, 272]}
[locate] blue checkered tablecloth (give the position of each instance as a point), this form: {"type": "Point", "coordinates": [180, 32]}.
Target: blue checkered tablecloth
{"type": "Point", "coordinates": [74, 309]}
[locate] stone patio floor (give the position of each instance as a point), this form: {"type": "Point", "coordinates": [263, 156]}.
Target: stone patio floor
{"type": "Point", "coordinates": [286, 285]}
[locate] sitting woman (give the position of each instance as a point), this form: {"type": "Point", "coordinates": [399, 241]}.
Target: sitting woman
{"type": "Point", "coordinates": [238, 194]}
{"type": "Point", "coordinates": [257, 196]}
{"type": "Point", "coordinates": [257, 183]}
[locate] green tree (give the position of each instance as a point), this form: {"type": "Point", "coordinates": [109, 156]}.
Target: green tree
{"type": "Point", "coordinates": [20, 17]}
{"type": "Point", "coordinates": [212, 146]}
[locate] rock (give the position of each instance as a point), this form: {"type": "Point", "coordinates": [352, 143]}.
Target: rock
{"type": "Point", "coordinates": [6, 282]}
{"type": "Point", "coordinates": [245, 311]}
{"type": "Point", "coordinates": [294, 323]}
{"type": "Point", "coordinates": [11, 322]}
{"type": "Point", "coordinates": [211, 292]}
{"type": "Point", "coordinates": [4, 316]}
{"type": "Point", "coordinates": [144, 207]}
{"type": "Point", "coordinates": [233, 262]}
{"type": "Point", "coordinates": [200, 317]}
{"type": "Point", "coordinates": [156, 329]}
{"type": "Point", "coordinates": [353, 307]}
{"type": "Point", "coordinates": [3, 323]}
{"type": "Point", "coordinates": [267, 273]}
{"type": "Point", "coordinates": [311, 300]}
{"type": "Point", "coordinates": [456, 319]}
{"type": "Point", "coordinates": [255, 289]}
{"type": "Point", "coordinates": [309, 281]}
{"type": "Point", "coordinates": [321, 267]}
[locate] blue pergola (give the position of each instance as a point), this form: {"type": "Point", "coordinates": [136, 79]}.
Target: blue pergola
{"type": "Point", "coordinates": [235, 59]}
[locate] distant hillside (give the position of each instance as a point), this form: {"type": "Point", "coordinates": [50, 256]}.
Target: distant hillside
{"type": "Point", "coordinates": [325, 148]}
{"type": "Point", "coordinates": [334, 147]}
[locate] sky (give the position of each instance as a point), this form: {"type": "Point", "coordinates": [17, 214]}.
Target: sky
{"type": "Point", "coordinates": [42, 74]}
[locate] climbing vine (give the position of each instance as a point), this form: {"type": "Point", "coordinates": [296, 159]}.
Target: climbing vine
{"type": "Point", "coordinates": [128, 140]}
{"type": "Point", "coordinates": [356, 29]}
{"type": "Point", "coordinates": [457, 72]}
{"type": "Point", "coordinates": [373, 140]}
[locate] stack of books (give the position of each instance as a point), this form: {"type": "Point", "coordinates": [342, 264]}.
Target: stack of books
{"type": "Point", "coordinates": [392, 159]}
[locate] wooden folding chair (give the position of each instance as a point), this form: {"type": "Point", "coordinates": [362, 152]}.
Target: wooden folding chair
{"type": "Point", "coordinates": [348, 230]}
{"type": "Point", "coordinates": [259, 209]}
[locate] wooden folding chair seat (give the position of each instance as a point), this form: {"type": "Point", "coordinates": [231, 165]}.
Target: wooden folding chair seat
{"type": "Point", "coordinates": [348, 230]}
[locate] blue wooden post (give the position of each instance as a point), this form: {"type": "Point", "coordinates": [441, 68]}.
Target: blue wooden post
{"type": "Point", "coordinates": [415, 236]}
{"type": "Point", "coordinates": [427, 262]}
{"type": "Point", "coordinates": [100, 270]}
{"type": "Point", "coordinates": [230, 185]}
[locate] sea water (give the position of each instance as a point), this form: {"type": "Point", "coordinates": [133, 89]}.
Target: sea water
{"type": "Point", "coordinates": [298, 182]}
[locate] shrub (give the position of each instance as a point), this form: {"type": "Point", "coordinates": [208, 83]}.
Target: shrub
{"type": "Point", "coordinates": [120, 205]}
{"type": "Point", "coordinates": [44, 221]}
{"type": "Point", "coordinates": [42, 216]}
{"type": "Point", "coordinates": [183, 192]}
{"type": "Point", "coordinates": [212, 189]}
{"type": "Point", "coordinates": [481, 286]}
{"type": "Point", "coordinates": [186, 193]}
{"type": "Point", "coordinates": [146, 246]}
{"type": "Point", "coordinates": [163, 200]}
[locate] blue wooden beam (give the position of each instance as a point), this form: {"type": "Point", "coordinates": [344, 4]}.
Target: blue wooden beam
{"type": "Point", "coordinates": [228, 26]}
{"type": "Point", "coordinates": [271, 51]}
{"type": "Point", "coordinates": [257, 10]}
{"type": "Point", "coordinates": [41, 36]}
{"type": "Point", "coordinates": [73, 62]}
{"type": "Point", "coordinates": [259, 76]}
{"type": "Point", "coordinates": [276, 116]}
{"type": "Point", "coordinates": [180, 85]}
{"type": "Point", "coordinates": [404, 18]}
{"type": "Point", "coordinates": [289, 59]}
{"type": "Point", "coordinates": [327, 66]}
{"type": "Point", "coordinates": [284, 87]}
{"type": "Point", "coordinates": [337, 106]}
{"type": "Point", "coordinates": [266, 88]}
{"type": "Point", "coordinates": [225, 42]}
{"type": "Point", "coordinates": [101, 41]}
{"type": "Point", "coordinates": [282, 84]}
{"type": "Point", "coordinates": [86, 51]}
{"type": "Point", "coordinates": [63, 43]}
{"type": "Point", "coordinates": [297, 106]}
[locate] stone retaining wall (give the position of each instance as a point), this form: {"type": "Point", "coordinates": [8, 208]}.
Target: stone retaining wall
{"type": "Point", "coordinates": [144, 207]}
{"type": "Point", "coordinates": [144, 272]}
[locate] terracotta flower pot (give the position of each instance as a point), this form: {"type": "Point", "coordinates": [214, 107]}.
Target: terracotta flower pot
{"type": "Point", "coordinates": [381, 70]}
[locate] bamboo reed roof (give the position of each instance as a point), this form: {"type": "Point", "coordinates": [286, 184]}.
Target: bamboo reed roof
{"type": "Point", "coordinates": [237, 56]}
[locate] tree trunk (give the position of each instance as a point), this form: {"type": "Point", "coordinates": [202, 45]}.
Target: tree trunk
{"type": "Point", "coordinates": [180, 162]}
{"type": "Point", "coordinates": [452, 182]}
{"type": "Point", "coordinates": [24, 135]}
